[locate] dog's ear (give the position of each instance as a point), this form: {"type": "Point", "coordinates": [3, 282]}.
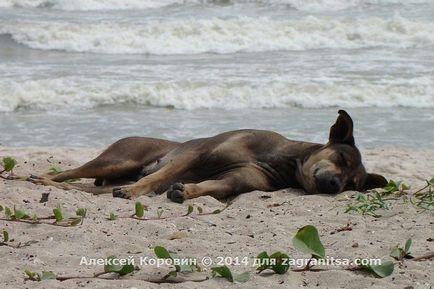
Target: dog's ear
{"type": "Point", "coordinates": [374, 181]}
{"type": "Point", "coordinates": [342, 130]}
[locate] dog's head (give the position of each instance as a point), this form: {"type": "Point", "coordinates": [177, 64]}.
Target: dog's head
{"type": "Point", "coordinates": [337, 166]}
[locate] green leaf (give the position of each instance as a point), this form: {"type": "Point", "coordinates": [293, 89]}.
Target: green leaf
{"type": "Point", "coordinates": [126, 269]}
{"type": "Point", "coordinates": [282, 264]}
{"type": "Point", "coordinates": [120, 269]}
{"type": "Point", "coordinates": [5, 236]}
{"type": "Point", "coordinates": [55, 170]}
{"type": "Point", "coordinates": [111, 268]}
{"type": "Point", "coordinates": [216, 212]}
{"type": "Point", "coordinates": [226, 273]}
{"type": "Point", "coordinates": [18, 214]}
{"type": "Point", "coordinates": [182, 268]}
{"type": "Point", "coordinates": [241, 277]}
{"type": "Point", "coordinates": [140, 210]}
{"type": "Point", "coordinates": [113, 216]}
{"type": "Point", "coordinates": [58, 215]}
{"type": "Point", "coordinates": [391, 186]}
{"type": "Point", "coordinates": [76, 221]}
{"type": "Point", "coordinates": [263, 259]}
{"type": "Point", "coordinates": [82, 212]}
{"type": "Point", "coordinates": [1, 208]}
{"type": "Point", "coordinates": [307, 241]}
{"type": "Point", "coordinates": [9, 163]}
{"type": "Point", "coordinates": [278, 262]}
{"type": "Point", "coordinates": [223, 271]}
{"type": "Point", "coordinates": [162, 253]}
{"type": "Point", "coordinates": [8, 213]}
{"type": "Point", "coordinates": [407, 246]}
{"type": "Point", "coordinates": [189, 210]}
{"type": "Point", "coordinates": [47, 275]}
{"type": "Point", "coordinates": [383, 270]}
{"type": "Point", "coordinates": [431, 182]}
{"type": "Point", "coordinates": [33, 275]}
{"type": "Point", "coordinates": [404, 187]}
{"type": "Point", "coordinates": [200, 210]}
{"type": "Point", "coordinates": [397, 253]}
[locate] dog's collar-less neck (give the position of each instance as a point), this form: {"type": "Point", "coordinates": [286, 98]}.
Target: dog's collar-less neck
{"type": "Point", "coordinates": [285, 170]}
{"type": "Point", "coordinates": [296, 156]}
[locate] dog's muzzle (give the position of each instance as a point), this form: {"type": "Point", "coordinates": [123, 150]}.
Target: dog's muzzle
{"type": "Point", "coordinates": [328, 185]}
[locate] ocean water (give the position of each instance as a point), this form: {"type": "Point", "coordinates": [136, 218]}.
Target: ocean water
{"type": "Point", "coordinates": [86, 72]}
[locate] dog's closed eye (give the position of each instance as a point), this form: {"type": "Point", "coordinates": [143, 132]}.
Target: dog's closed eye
{"type": "Point", "coordinates": [343, 159]}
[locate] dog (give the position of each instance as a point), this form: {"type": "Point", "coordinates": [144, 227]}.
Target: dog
{"type": "Point", "coordinates": [227, 164]}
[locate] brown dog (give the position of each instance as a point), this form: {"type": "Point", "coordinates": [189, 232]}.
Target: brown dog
{"type": "Point", "coordinates": [229, 163]}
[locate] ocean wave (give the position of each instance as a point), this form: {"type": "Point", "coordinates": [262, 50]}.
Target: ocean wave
{"type": "Point", "coordinates": [88, 5]}
{"type": "Point", "coordinates": [92, 5]}
{"type": "Point", "coordinates": [194, 36]}
{"type": "Point", "coordinates": [76, 92]}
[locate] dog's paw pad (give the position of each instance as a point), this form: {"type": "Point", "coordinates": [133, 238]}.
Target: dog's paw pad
{"type": "Point", "coordinates": [178, 186]}
{"type": "Point", "coordinates": [177, 197]}
{"type": "Point", "coordinates": [175, 193]}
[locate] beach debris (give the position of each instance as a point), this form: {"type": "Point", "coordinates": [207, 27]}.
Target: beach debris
{"type": "Point", "coordinates": [44, 197]}
{"type": "Point", "coordinates": [177, 235]}
{"type": "Point", "coordinates": [347, 227]}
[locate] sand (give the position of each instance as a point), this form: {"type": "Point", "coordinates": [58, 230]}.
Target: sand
{"type": "Point", "coordinates": [253, 223]}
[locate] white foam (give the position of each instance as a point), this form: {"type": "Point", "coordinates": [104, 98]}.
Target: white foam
{"type": "Point", "coordinates": [78, 92]}
{"type": "Point", "coordinates": [335, 5]}
{"type": "Point", "coordinates": [245, 34]}
{"type": "Point", "coordinates": [91, 5]}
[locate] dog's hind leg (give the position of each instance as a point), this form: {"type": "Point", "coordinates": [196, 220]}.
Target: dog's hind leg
{"type": "Point", "coordinates": [89, 188]}
{"type": "Point", "coordinates": [125, 157]}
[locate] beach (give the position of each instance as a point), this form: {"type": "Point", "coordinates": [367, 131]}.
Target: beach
{"type": "Point", "coordinates": [254, 222]}
{"type": "Point", "coordinates": [77, 75]}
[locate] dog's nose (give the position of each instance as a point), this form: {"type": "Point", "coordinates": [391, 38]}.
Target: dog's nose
{"type": "Point", "coordinates": [328, 185]}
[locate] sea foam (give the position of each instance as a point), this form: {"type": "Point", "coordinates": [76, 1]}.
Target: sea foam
{"type": "Point", "coordinates": [217, 35]}
{"type": "Point", "coordinates": [92, 5]}
{"type": "Point", "coordinates": [75, 92]}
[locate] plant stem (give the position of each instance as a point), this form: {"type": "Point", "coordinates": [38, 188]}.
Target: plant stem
{"type": "Point", "coordinates": [424, 257]}
{"type": "Point", "coordinates": [418, 191]}
{"type": "Point", "coordinates": [155, 281]}
{"type": "Point", "coordinates": [31, 222]}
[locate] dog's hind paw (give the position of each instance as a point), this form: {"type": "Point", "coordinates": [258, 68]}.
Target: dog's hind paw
{"type": "Point", "coordinates": [176, 193]}
{"type": "Point", "coordinates": [37, 180]}
{"type": "Point", "coordinates": [120, 193]}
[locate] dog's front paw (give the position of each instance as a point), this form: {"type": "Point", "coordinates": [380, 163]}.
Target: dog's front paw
{"type": "Point", "coordinates": [122, 192]}
{"type": "Point", "coordinates": [176, 193]}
